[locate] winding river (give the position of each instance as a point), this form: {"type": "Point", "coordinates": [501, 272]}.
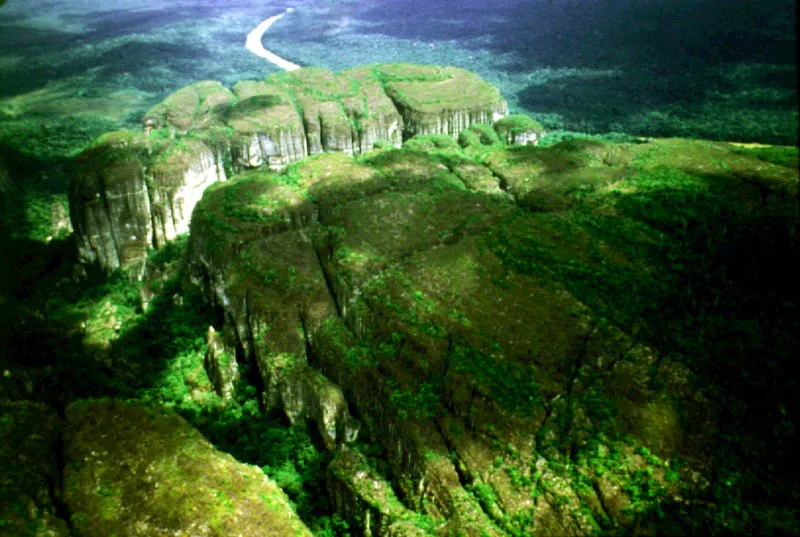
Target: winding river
{"type": "Point", "coordinates": [254, 45]}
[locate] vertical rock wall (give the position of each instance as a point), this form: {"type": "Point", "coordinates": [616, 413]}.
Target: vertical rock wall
{"type": "Point", "coordinates": [133, 192]}
{"type": "Point", "coordinates": [110, 204]}
{"type": "Point", "coordinates": [123, 201]}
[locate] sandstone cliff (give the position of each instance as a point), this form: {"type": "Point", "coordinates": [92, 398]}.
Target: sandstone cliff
{"type": "Point", "coordinates": [132, 192]}
{"type": "Point", "coordinates": [129, 194]}
{"type": "Point", "coordinates": [292, 115]}
{"type": "Point", "coordinates": [401, 278]}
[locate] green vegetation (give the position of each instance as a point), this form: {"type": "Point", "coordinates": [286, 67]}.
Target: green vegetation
{"type": "Point", "coordinates": [517, 124]}
{"type": "Point", "coordinates": [53, 138]}
{"type": "Point", "coordinates": [431, 88]}
{"type": "Point", "coordinates": [110, 346]}
{"type": "Point", "coordinates": [150, 444]}
{"type": "Point", "coordinates": [600, 313]}
{"type": "Point", "coordinates": [783, 155]}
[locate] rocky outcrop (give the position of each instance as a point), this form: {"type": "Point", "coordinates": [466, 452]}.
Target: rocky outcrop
{"type": "Point", "coordinates": [194, 107]}
{"type": "Point", "coordinates": [519, 129]}
{"type": "Point", "coordinates": [260, 295]}
{"type": "Point", "coordinates": [267, 129]}
{"type": "Point", "coordinates": [110, 203]}
{"type": "Point", "coordinates": [129, 194]}
{"type": "Point", "coordinates": [220, 363]}
{"type": "Point", "coordinates": [132, 192]}
{"type": "Point", "coordinates": [143, 471]}
{"type": "Point", "coordinates": [406, 287]}
{"type": "Point", "coordinates": [60, 224]}
{"type": "Point", "coordinates": [439, 100]}
{"type": "Point", "coordinates": [29, 473]}
{"type": "Point", "coordinates": [292, 115]}
{"type": "Point", "coordinates": [178, 174]}
{"type": "Point", "coordinates": [358, 493]}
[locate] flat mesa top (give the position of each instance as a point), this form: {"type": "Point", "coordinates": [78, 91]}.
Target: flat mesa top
{"type": "Point", "coordinates": [426, 89]}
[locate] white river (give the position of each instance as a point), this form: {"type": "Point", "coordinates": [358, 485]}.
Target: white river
{"type": "Point", "coordinates": [254, 45]}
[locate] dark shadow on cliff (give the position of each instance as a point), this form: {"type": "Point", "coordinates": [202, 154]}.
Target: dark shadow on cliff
{"type": "Point", "coordinates": [723, 302]}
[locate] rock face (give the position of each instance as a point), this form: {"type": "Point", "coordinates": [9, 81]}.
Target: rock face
{"type": "Point", "coordinates": [292, 115]}
{"type": "Point", "coordinates": [519, 130]}
{"type": "Point", "coordinates": [133, 192]}
{"type": "Point", "coordinates": [29, 475]}
{"type": "Point", "coordinates": [133, 470]}
{"type": "Point", "coordinates": [358, 493]}
{"type": "Point", "coordinates": [407, 287]}
{"type": "Point", "coordinates": [439, 100]}
{"type": "Point", "coordinates": [178, 174]}
{"type": "Point", "coordinates": [220, 364]}
{"type": "Point", "coordinates": [129, 194]}
{"type": "Point", "coordinates": [261, 307]}
{"type": "Point", "coordinates": [110, 204]}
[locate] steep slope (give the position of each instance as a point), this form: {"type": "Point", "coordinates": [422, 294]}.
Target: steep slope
{"type": "Point", "coordinates": [129, 193]}
{"type": "Point", "coordinates": [508, 399]}
{"type": "Point", "coordinates": [132, 191]}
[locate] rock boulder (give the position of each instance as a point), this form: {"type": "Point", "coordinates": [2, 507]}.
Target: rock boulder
{"type": "Point", "coordinates": [137, 471]}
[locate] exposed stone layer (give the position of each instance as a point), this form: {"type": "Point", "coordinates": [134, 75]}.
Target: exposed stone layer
{"type": "Point", "coordinates": [132, 192]}
{"type": "Point", "coordinates": [129, 194]}
{"type": "Point", "coordinates": [220, 363]}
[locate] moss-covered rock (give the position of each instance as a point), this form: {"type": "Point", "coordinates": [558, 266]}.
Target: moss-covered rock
{"type": "Point", "coordinates": [132, 192]}
{"type": "Point", "coordinates": [134, 470]}
{"type": "Point", "coordinates": [194, 107]}
{"type": "Point", "coordinates": [439, 100]}
{"type": "Point", "coordinates": [433, 295]}
{"type": "Point", "coordinates": [266, 126]}
{"type": "Point", "coordinates": [519, 129]}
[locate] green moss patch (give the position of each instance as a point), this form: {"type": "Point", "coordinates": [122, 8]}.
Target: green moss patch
{"type": "Point", "coordinates": [144, 471]}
